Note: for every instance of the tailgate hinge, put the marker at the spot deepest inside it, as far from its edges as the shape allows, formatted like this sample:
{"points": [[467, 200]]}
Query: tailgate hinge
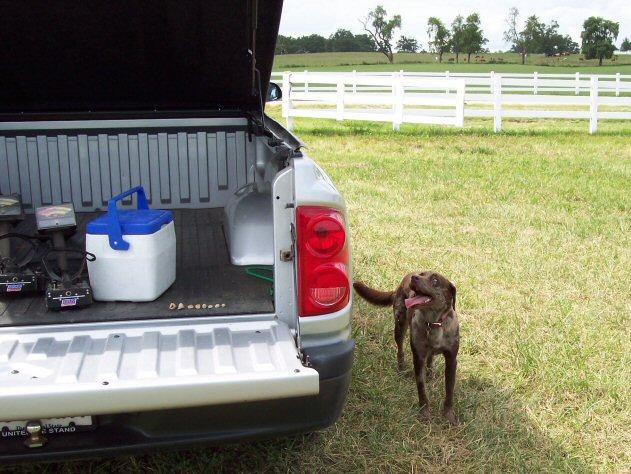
{"points": [[286, 256], [302, 357]]}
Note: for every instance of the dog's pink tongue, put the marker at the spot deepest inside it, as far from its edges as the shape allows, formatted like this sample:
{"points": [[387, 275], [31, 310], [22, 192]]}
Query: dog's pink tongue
{"points": [[409, 302]]}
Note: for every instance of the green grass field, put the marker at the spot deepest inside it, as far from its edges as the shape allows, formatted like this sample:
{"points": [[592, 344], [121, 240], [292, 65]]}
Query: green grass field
{"points": [[499, 62], [534, 226]]}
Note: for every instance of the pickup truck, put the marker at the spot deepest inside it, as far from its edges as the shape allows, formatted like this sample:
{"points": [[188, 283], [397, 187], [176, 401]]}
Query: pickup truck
{"points": [[99, 97]]}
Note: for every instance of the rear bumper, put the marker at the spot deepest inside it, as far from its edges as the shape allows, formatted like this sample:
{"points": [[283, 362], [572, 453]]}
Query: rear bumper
{"points": [[207, 425]]}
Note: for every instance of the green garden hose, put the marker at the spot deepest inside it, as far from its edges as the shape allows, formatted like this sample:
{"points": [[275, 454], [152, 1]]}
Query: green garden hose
{"points": [[254, 270]]}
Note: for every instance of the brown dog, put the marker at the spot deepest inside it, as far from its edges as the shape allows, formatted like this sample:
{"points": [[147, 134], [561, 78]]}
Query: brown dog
{"points": [[425, 302]]}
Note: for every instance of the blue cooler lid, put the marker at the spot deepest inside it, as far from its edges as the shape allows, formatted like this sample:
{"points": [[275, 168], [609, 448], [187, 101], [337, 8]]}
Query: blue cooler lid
{"points": [[132, 222], [142, 221]]}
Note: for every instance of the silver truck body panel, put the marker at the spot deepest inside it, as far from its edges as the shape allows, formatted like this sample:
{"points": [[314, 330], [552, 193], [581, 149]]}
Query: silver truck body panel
{"points": [[312, 187]]}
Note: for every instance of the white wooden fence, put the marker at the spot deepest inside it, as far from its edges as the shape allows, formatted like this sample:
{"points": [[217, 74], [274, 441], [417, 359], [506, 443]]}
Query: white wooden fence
{"points": [[446, 98], [393, 98]]}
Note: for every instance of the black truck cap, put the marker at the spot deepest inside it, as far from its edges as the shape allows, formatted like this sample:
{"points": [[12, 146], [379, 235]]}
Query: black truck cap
{"points": [[134, 57]]}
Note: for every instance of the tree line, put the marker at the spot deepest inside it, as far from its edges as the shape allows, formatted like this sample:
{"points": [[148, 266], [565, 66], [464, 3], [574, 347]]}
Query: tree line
{"points": [[341, 40], [463, 36]]}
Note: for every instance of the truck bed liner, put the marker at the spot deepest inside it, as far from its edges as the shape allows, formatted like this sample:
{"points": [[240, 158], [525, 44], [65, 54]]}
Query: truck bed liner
{"points": [[204, 275]]}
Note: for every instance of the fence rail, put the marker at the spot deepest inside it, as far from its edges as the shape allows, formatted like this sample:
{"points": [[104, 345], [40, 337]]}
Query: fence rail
{"points": [[446, 98]]}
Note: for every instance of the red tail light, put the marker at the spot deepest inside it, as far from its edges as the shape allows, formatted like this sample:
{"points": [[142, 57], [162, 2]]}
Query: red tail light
{"points": [[323, 280]]}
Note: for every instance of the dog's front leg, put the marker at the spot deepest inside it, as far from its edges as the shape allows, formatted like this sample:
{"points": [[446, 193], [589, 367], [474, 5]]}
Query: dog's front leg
{"points": [[451, 364], [418, 356]]}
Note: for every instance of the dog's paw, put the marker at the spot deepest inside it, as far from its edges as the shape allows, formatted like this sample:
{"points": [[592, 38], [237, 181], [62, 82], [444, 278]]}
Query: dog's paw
{"points": [[401, 364], [425, 414], [450, 416]]}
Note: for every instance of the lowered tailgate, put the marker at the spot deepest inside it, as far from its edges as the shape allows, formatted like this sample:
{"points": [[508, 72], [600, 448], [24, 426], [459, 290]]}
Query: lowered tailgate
{"points": [[69, 372]]}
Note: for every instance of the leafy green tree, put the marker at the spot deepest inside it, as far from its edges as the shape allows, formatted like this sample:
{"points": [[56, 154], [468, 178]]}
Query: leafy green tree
{"points": [[364, 43], [344, 40], [283, 44], [565, 44], [473, 36], [381, 29], [533, 34], [457, 36], [407, 45], [553, 42], [311, 44], [598, 36], [439, 37], [514, 36], [546, 39], [341, 40], [626, 45]]}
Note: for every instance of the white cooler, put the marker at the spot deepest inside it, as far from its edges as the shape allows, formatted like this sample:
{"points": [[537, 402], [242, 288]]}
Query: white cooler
{"points": [[134, 249]]}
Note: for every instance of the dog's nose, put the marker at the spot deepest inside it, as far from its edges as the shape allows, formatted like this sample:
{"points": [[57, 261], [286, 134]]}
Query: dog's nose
{"points": [[415, 278]]}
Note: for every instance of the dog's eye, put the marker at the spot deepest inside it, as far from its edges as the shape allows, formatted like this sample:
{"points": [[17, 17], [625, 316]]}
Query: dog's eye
{"points": [[434, 281]]}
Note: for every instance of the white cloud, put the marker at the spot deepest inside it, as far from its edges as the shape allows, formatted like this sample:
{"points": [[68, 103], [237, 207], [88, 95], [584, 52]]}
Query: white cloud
{"points": [[325, 16]]}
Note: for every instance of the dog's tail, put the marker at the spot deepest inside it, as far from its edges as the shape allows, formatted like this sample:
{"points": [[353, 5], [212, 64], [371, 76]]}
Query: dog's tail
{"points": [[380, 298]]}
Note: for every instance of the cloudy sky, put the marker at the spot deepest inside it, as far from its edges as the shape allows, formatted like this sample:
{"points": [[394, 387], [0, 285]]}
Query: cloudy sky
{"points": [[325, 16]]}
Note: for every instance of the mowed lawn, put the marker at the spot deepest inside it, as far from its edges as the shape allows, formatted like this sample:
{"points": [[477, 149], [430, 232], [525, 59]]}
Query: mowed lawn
{"points": [[425, 62], [533, 225]]}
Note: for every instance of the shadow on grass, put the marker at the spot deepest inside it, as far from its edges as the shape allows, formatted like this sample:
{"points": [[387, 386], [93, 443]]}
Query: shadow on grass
{"points": [[499, 435], [495, 434]]}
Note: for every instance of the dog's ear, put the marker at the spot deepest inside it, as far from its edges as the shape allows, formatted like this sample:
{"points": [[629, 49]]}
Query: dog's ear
{"points": [[452, 287]]}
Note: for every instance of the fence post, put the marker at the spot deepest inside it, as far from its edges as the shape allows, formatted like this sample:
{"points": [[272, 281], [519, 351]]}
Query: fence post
{"points": [[447, 77], [492, 78], [577, 87], [287, 100], [354, 81], [460, 104], [535, 88], [617, 84], [397, 102], [339, 111], [306, 82], [593, 104], [497, 103]]}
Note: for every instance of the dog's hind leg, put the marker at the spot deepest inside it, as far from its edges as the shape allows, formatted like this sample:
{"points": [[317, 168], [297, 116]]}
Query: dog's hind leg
{"points": [[400, 329], [451, 364], [419, 372]]}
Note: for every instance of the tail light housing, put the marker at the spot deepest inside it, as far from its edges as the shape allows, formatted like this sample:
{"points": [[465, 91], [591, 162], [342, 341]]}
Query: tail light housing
{"points": [[322, 249]]}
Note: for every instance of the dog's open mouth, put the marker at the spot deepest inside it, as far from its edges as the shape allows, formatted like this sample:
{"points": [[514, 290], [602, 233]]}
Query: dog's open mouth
{"points": [[417, 300]]}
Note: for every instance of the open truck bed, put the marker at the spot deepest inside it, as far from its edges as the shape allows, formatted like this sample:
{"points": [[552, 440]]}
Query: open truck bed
{"points": [[204, 275], [171, 102]]}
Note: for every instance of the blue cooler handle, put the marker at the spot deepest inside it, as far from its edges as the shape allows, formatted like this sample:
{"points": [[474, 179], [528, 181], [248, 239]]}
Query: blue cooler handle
{"points": [[114, 230]]}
